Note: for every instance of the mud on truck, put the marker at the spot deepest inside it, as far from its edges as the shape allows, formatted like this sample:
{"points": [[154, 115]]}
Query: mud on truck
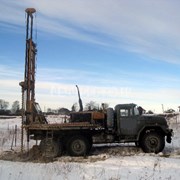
{"points": [[123, 124]]}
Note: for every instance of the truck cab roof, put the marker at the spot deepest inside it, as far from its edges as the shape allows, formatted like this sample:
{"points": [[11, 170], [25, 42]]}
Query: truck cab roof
{"points": [[125, 105]]}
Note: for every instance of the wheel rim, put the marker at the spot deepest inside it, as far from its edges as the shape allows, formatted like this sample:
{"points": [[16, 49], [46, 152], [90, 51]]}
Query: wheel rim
{"points": [[152, 143], [78, 146]]}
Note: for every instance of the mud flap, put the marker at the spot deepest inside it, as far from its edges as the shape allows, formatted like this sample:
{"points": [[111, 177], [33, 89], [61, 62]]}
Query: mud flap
{"points": [[168, 139]]}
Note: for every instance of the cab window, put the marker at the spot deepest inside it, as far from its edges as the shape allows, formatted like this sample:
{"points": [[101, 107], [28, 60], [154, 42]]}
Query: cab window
{"points": [[136, 111], [126, 112]]}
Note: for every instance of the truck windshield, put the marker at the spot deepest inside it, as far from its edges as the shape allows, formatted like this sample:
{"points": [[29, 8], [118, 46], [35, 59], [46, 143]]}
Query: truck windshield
{"points": [[136, 111]]}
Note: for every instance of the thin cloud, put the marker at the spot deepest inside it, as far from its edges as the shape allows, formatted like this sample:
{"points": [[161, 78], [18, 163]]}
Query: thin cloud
{"points": [[146, 28], [149, 28], [119, 78], [9, 72], [56, 94]]}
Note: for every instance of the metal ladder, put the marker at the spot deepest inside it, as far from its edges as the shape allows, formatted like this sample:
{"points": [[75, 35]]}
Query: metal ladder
{"points": [[48, 142]]}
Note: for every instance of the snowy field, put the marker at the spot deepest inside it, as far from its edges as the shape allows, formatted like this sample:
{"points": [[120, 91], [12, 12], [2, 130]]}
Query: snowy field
{"points": [[106, 162]]}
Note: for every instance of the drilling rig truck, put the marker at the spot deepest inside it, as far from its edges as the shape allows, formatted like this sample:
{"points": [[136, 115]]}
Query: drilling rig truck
{"points": [[122, 124]]}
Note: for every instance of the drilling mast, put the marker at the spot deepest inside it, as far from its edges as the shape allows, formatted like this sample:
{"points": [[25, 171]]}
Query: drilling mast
{"points": [[31, 110]]}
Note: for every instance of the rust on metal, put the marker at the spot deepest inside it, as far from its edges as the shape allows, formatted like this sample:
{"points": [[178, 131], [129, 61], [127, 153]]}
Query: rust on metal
{"points": [[30, 10], [76, 125], [98, 115], [28, 85]]}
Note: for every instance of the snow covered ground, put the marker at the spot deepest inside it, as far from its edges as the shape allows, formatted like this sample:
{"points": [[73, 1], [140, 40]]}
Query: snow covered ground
{"points": [[111, 163]]}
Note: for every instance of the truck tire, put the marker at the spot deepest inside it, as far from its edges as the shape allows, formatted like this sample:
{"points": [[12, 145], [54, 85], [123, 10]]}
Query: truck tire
{"points": [[50, 148], [152, 142], [78, 146], [110, 118]]}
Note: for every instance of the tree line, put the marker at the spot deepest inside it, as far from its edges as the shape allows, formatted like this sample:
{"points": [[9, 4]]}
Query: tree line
{"points": [[90, 106], [5, 108], [13, 110]]}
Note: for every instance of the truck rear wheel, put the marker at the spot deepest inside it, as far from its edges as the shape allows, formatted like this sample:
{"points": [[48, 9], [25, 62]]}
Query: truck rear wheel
{"points": [[50, 148], [152, 142], [78, 146]]}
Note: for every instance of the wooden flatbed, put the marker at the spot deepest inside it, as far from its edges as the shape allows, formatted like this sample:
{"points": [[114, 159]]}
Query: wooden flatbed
{"points": [[63, 126]]}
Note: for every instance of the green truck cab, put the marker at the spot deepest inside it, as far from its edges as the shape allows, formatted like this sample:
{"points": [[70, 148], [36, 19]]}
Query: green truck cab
{"points": [[147, 131]]}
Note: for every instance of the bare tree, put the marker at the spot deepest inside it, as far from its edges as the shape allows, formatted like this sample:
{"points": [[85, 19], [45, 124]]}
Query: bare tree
{"points": [[74, 107], [49, 110], [92, 105], [104, 106], [3, 104], [63, 111], [150, 112], [15, 107]]}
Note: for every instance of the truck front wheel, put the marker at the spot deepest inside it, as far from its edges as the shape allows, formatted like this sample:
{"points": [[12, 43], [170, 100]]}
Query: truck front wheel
{"points": [[78, 146], [152, 142]]}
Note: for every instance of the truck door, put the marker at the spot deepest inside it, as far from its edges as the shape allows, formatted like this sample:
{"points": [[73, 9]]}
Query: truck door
{"points": [[128, 122]]}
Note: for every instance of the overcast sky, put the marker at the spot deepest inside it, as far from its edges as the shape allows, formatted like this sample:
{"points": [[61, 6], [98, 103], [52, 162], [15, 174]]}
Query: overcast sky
{"points": [[118, 51]]}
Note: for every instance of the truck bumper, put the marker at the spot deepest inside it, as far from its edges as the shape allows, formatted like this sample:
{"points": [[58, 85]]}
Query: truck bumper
{"points": [[169, 135]]}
